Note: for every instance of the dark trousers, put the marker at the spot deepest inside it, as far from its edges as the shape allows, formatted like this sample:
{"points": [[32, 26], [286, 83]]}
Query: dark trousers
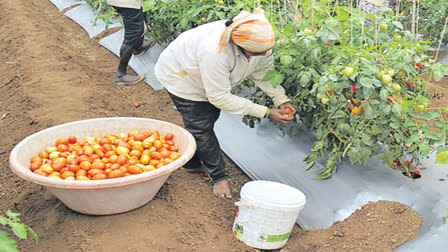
{"points": [[134, 22], [199, 119]]}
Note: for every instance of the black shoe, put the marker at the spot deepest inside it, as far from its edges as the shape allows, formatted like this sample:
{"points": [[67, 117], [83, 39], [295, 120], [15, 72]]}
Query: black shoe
{"points": [[140, 50]]}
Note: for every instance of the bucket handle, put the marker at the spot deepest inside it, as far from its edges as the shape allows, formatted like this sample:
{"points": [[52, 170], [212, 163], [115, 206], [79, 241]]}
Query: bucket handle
{"points": [[243, 204]]}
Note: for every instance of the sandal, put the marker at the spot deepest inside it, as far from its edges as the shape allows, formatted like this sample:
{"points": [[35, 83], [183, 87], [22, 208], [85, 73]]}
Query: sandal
{"points": [[128, 79], [143, 48]]}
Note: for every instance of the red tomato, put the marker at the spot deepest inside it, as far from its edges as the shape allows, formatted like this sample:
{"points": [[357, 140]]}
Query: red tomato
{"points": [[72, 140], [290, 114], [137, 104]]}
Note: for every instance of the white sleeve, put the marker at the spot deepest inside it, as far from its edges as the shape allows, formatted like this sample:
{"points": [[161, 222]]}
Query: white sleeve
{"points": [[278, 93], [215, 73]]}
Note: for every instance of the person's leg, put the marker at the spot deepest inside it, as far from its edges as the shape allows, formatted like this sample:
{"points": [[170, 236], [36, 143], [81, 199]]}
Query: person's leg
{"points": [[199, 119], [133, 28]]}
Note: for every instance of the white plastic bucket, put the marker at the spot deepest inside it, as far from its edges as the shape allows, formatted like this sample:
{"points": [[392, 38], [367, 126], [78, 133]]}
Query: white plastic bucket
{"points": [[266, 213]]}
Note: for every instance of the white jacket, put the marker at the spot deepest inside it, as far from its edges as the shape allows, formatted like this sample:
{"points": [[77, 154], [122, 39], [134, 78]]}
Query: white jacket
{"points": [[191, 68], [133, 4]]}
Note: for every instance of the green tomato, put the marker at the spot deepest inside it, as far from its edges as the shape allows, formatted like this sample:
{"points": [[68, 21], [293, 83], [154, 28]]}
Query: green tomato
{"points": [[384, 26], [325, 99], [319, 96], [307, 30], [203, 19], [420, 107], [51, 149], [391, 72], [221, 2], [396, 87], [348, 71], [397, 38], [294, 41], [379, 76], [283, 42], [386, 79]]}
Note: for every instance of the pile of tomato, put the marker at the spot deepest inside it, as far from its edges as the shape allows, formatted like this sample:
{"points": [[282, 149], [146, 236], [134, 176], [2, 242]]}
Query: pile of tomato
{"points": [[106, 157]]}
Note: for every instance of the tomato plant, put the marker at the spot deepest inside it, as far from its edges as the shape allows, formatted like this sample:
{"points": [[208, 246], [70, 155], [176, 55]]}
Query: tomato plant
{"points": [[361, 72], [18, 228]]}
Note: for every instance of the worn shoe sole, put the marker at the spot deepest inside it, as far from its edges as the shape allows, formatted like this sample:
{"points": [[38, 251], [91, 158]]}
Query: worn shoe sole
{"points": [[136, 54], [123, 83]]}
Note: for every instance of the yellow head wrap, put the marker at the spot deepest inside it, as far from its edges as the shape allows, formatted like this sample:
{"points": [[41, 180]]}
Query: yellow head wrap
{"points": [[252, 32]]}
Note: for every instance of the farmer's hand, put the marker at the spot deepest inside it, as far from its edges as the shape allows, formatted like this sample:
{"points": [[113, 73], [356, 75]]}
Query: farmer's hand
{"points": [[281, 115]]}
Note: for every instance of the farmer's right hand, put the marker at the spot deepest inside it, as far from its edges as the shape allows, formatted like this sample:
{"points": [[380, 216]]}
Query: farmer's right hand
{"points": [[276, 116]]}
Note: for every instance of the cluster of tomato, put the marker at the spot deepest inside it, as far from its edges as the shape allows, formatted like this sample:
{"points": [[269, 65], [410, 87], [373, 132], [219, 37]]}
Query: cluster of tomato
{"points": [[110, 156]]}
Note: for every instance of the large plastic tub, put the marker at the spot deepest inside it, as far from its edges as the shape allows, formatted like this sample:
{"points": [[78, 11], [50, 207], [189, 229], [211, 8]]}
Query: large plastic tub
{"points": [[109, 196]]}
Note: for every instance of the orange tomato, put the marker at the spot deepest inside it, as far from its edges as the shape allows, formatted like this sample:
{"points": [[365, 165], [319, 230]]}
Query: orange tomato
{"points": [[81, 173], [169, 136], [156, 155], [35, 165], [85, 165], [43, 154], [174, 156], [122, 159], [99, 176], [62, 147], [356, 110], [134, 169], [61, 141], [67, 174], [36, 159], [93, 172], [115, 174], [158, 144], [98, 165], [165, 153], [173, 148]]}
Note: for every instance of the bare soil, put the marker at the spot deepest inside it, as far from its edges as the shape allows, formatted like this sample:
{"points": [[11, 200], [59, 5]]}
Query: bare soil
{"points": [[53, 73]]}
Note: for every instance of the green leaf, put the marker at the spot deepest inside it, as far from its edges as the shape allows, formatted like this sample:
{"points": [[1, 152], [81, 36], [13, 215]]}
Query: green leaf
{"points": [[412, 139], [324, 174], [398, 25], [317, 146], [19, 229], [429, 115], [36, 238], [310, 165], [366, 82], [13, 216], [424, 149], [305, 79], [6, 243], [183, 23], [286, 60], [338, 114]]}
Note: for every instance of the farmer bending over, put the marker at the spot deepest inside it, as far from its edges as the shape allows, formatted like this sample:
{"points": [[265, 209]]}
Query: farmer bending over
{"points": [[134, 21], [199, 69]]}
